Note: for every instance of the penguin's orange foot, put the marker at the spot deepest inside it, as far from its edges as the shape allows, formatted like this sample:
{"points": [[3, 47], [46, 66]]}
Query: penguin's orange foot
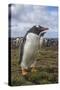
{"points": [[24, 72]]}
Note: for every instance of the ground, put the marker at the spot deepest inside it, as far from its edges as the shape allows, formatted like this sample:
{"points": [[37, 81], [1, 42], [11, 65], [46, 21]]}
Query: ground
{"points": [[46, 66]]}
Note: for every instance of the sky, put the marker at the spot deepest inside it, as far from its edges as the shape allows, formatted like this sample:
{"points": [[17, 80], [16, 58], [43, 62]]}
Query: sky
{"points": [[23, 17]]}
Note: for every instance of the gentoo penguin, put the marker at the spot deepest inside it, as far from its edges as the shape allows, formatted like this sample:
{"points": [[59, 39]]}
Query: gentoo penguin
{"points": [[17, 41], [41, 38], [29, 46]]}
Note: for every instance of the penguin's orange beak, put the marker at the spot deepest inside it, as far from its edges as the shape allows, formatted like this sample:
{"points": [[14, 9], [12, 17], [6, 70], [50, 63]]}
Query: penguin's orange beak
{"points": [[45, 29]]}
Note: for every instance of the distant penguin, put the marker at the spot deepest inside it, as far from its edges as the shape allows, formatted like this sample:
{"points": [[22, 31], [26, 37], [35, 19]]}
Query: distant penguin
{"points": [[29, 46], [41, 38], [17, 41]]}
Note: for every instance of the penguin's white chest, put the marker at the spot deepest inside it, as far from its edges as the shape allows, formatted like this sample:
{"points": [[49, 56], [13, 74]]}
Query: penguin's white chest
{"points": [[30, 47], [32, 43]]}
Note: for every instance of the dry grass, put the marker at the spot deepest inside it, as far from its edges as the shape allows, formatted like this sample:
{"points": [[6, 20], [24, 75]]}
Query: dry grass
{"points": [[47, 68]]}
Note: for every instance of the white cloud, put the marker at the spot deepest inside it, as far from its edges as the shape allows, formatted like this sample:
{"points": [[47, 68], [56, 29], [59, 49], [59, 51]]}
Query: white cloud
{"points": [[25, 16]]}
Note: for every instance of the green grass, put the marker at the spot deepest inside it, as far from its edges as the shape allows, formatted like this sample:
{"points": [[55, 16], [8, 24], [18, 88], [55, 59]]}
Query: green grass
{"points": [[47, 68]]}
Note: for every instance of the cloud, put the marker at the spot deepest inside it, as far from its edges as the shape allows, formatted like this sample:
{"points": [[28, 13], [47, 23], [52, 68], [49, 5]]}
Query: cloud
{"points": [[24, 17], [20, 29]]}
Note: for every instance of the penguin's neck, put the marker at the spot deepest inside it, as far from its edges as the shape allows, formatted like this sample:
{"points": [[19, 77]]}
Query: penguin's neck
{"points": [[32, 35]]}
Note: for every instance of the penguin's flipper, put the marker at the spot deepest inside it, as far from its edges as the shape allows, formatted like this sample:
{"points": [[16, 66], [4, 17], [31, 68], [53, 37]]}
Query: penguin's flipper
{"points": [[21, 50]]}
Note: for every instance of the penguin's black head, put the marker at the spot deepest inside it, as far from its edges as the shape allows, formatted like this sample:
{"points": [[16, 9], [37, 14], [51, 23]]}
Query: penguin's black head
{"points": [[42, 29], [37, 30]]}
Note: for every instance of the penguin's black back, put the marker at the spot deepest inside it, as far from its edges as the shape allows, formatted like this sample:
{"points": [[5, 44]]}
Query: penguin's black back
{"points": [[21, 49]]}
